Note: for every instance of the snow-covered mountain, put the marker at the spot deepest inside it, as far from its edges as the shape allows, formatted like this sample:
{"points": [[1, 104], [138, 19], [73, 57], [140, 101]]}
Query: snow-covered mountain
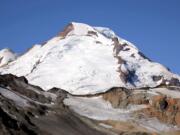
{"points": [[127, 93], [85, 60], [6, 56]]}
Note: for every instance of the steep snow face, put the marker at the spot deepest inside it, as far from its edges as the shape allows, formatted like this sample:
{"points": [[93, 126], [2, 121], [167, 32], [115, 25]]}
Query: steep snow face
{"points": [[77, 64], [88, 60], [6, 56]]}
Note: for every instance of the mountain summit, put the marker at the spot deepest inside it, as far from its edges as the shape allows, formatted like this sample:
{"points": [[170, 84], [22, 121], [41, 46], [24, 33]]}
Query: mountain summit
{"points": [[86, 60]]}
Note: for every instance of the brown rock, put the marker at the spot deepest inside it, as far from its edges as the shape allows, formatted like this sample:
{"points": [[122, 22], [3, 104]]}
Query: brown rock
{"points": [[177, 119], [67, 29]]}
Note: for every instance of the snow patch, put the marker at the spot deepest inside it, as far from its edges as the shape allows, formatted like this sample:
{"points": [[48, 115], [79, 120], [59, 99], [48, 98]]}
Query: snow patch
{"points": [[99, 109], [168, 92], [14, 97], [6, 56]]}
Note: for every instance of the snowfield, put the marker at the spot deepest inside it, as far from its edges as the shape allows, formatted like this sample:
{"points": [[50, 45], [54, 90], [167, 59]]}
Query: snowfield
{"points": [[14, 97], [86, 61], [99, 109], [6, 56]]}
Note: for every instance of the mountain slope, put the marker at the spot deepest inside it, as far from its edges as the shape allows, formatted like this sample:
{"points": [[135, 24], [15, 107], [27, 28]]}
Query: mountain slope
{"points": [[6, 56], [108, 87], [88, 60], [28, 110]]}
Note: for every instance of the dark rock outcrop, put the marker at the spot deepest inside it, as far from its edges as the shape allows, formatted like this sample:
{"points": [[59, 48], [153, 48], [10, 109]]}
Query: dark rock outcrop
{"points": [[41, 115]]}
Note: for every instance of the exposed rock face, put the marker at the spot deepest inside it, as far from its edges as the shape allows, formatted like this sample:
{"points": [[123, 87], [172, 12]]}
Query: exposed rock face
{"points": [[14, 120], [20, 85], [165, 108], [28, 110], [66, 30], [121, 98]]}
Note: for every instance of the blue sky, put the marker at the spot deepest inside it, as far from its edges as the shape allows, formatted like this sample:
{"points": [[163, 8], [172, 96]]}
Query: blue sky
{"points": [[153, 25]]}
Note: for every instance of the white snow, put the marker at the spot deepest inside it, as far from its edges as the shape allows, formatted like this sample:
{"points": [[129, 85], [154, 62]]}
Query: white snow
{"points": [[105, 125], [80, 65], [154, 125], [167, 92], [106, 32], [80, 29], [99, 109], [14, 97], [6, 56]]}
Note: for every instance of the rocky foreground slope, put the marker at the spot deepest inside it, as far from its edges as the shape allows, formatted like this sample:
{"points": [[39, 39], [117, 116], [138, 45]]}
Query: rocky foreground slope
{"points": [[87, 81], [27, 109]]}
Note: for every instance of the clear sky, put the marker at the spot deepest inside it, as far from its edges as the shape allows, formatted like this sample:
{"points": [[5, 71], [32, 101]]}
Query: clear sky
{"points": [[152, 25]]}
